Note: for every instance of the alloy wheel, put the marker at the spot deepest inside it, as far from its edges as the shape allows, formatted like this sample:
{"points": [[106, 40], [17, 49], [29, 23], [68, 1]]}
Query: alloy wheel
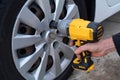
{"points": [[39, 52]]}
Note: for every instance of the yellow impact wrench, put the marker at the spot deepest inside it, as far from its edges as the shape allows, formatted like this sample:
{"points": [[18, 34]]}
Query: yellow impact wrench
{"points": [[81, 32]]}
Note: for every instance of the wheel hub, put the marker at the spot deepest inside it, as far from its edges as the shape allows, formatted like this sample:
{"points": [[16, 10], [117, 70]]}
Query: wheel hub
{"points": [[50, 36]]}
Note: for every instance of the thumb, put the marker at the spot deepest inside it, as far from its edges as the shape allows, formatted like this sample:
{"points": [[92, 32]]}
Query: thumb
{"points": [[81, 49]]}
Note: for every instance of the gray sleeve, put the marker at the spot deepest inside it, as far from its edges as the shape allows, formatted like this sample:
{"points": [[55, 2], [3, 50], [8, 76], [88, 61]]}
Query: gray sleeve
{"points": [[116, 40]]}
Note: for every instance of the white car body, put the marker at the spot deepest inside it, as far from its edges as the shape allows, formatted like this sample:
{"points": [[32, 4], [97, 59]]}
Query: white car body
{"points": [[105, 9]]}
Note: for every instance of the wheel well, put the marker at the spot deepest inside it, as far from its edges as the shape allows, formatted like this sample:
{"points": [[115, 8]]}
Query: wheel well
{"points": [[81, 4], [86, 9], [90, 5]]}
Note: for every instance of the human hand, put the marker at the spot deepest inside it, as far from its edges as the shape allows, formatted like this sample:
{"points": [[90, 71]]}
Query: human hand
{"points": [[97, 49]]}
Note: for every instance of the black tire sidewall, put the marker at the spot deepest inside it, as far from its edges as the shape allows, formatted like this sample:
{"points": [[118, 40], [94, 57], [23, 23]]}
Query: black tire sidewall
{"points": [[9, 13]]}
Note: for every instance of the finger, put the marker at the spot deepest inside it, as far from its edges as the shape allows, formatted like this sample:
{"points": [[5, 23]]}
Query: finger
{"points": [[78, 56], [97, 55], [71, 43], [81, 49]]}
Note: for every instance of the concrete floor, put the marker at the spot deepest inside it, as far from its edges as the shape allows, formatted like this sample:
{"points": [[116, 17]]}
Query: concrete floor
{"points": [[107, 67]]}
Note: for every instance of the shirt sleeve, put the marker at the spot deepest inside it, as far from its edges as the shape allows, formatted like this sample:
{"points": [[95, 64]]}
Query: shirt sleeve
{"points": [[116, 40]]}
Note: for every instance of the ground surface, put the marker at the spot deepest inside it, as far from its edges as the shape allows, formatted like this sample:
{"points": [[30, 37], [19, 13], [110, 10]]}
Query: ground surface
{"points": [[107, 67]]}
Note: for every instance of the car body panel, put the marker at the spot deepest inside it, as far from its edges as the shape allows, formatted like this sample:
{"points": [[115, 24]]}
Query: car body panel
{"points": [[103, 9], [112, 2]]}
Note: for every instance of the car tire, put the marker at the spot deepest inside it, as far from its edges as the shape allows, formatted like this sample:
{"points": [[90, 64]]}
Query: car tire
{"points": [[9, 12]]}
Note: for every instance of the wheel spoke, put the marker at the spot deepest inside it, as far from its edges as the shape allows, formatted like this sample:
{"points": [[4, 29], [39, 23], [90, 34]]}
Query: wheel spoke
{"points": [[56, 69], [27, 63], [71, 11], [31, 19], [22, 41], [59, 8], [40, 72], [45, 6], [68, 52]]}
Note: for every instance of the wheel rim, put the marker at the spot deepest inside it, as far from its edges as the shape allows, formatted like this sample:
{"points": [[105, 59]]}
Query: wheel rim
{"points": [[39, 52]]}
